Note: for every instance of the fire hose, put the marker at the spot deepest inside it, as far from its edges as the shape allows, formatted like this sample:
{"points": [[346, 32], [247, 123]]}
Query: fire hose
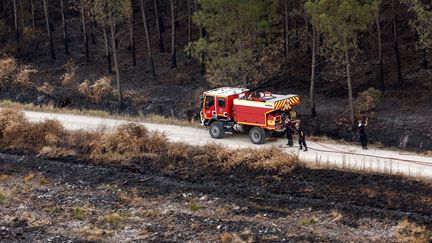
{"points": [[332, 150]]}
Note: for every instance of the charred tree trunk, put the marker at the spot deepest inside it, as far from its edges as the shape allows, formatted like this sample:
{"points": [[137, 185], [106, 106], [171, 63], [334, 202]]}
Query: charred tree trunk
{"points": [[65, 34], [173, 36], [48, 26], [85, 36], [380, 54], [202, 35], [189, 24], [159, 26], [116, 62], [22, 15], [286, 39], [425, 61], [92, 30], [312, 85], [202, 61], [32, 10], [350, 94], [15, 15], [107, 49], [318, 66], [146, 30], [396, 45], [131, 23]]}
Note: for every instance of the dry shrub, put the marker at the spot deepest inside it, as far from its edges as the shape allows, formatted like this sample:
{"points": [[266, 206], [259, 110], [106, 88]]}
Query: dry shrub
{"points": [[368, 100], [268, 159], [138, 99], [84, 88], [32, 137], [8, 67], [68, 78], [46, 88], [10, 118], [22, 78], [101, 88], [14, 76], [81, 141], [98, 90], [128, 142], [413, 233], [178, 152]]}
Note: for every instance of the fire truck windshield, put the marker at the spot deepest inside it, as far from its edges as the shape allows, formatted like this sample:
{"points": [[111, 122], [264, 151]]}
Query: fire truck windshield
{"points": [[209, 101]]}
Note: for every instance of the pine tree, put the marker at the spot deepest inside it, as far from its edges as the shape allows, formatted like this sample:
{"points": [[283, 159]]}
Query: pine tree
{"points": [[242, 40], [112, 13], [422, 22], [340, 21]]}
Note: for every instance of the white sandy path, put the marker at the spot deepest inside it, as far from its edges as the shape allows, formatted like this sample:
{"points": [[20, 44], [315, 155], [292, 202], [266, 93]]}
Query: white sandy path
{"points": [[329, 154]]}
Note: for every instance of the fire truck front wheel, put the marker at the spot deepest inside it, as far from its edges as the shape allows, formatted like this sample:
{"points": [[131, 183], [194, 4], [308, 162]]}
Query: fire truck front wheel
{"points": [[257, 135], [216, 130]]}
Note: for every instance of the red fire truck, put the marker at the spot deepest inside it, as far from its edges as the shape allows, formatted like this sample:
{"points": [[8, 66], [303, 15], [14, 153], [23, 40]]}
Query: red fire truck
{"points": [[229, 110]]}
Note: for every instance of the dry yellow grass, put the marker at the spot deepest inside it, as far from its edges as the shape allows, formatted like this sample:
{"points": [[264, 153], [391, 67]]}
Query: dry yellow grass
{"points": [[128, 142], [413, 233], [268, 159]]}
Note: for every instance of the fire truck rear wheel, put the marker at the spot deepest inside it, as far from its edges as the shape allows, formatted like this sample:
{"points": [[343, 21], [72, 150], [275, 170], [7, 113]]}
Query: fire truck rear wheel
{"points": [[216, 130], [257, 135]]}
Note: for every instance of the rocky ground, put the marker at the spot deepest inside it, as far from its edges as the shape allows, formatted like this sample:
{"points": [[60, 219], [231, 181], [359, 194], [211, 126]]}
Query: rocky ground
{"points": [[69, 201]]}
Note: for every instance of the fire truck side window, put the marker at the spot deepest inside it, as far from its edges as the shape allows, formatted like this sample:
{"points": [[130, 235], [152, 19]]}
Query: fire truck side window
{"points": [[209, 101], [221, 102]]}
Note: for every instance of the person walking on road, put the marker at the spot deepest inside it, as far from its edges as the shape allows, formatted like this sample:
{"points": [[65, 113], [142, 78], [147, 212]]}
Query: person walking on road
{"points": [[362, 133], [302, 137]]}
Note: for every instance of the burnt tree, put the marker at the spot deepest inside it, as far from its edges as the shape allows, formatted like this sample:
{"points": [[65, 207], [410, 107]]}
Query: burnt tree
{"points": [[146, 31]]}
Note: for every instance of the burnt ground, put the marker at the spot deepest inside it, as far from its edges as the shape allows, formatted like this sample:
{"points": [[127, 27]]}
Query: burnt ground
{"points": [[57, 201]]}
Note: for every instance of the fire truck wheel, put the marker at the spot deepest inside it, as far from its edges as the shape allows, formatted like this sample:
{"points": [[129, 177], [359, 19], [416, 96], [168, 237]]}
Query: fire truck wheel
{"points": [[257, 135], [216, 130]]}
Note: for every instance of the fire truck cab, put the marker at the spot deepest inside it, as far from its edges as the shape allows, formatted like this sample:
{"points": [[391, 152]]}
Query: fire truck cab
{"points": [[229, 110]]}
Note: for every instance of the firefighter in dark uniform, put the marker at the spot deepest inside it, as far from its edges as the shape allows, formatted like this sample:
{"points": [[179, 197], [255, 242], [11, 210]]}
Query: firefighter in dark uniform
{"points": [[289, 131], [362, 133], [302, 137]]}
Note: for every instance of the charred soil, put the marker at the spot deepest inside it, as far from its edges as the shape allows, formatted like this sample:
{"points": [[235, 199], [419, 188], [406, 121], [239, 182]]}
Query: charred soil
{"points": [[60, 200]]}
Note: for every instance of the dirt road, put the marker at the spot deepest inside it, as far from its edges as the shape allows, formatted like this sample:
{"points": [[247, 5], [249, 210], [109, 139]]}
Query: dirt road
{"points": [[330, 154]]}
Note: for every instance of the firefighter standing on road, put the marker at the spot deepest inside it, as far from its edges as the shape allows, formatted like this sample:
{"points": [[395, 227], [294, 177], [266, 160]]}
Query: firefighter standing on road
{"points": [[302, 137], [362, 133], [289, 131]]}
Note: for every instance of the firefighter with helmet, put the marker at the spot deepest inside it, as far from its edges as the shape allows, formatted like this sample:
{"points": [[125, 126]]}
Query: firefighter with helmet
{"points": [[302, 137], [288, 121]]}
